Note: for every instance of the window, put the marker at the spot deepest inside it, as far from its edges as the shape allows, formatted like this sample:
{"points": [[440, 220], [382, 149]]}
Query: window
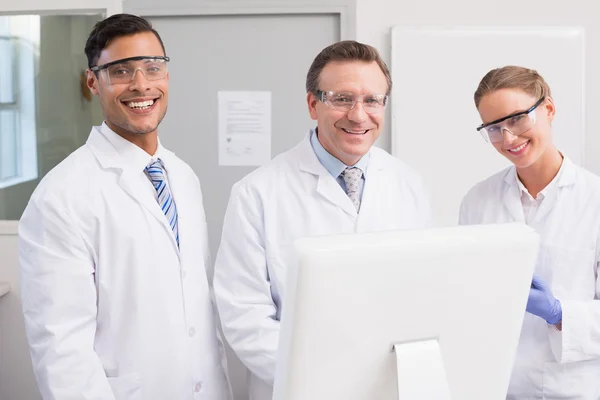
{"points": [[19, 49]]}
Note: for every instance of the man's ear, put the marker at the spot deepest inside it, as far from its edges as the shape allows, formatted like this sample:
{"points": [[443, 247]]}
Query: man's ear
{"points": [[92, 81], [312, 100]]}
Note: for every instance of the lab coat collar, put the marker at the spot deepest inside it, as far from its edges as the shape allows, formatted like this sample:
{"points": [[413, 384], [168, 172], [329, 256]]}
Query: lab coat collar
{"points": [[308, 161], [567, 174], [330, 162], [512, 193], [327, 186], [114, 152]]}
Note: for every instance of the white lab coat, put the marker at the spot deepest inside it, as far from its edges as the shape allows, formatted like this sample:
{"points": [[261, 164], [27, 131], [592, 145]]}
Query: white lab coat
{"points": [[112, 309], [551, 364], [291, 197]]}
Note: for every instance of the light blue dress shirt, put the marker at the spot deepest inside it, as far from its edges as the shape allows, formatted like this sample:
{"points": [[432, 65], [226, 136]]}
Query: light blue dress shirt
{"points": [[334, 166]]}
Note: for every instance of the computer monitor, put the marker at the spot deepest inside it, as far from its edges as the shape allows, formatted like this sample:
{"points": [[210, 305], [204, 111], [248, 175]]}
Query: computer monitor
{"points": [[451, 299]]}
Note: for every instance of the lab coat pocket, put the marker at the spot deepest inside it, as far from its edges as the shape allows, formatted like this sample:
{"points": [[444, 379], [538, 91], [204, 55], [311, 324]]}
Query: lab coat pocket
{"points": [[573, 381], [127, 387], [569, 271]]}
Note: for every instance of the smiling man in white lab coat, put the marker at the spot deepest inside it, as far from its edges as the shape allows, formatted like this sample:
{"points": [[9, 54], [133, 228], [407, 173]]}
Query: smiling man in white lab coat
{"points": [[333, 182], [113, 246]]}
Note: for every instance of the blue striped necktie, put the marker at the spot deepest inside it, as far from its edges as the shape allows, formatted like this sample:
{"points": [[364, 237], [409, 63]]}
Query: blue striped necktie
{"points": [[156, 172]]}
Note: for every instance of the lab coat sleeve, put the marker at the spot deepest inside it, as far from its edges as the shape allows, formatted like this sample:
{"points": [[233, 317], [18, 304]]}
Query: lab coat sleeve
{"points": [[242, 287], [463, 214], [222, 353], [205, 245], [59, 304], [207, 265], [579, 339], [425, 207]]}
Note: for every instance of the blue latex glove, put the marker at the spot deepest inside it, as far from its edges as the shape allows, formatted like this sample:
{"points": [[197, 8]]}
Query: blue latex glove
{"points": [[542, 303]]}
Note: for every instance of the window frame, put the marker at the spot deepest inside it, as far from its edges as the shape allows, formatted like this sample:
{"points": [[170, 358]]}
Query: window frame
{"points": [[27, 163], [25, 158]]}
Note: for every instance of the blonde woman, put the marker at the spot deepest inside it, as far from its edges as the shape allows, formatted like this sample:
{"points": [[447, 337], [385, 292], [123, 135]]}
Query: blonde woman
{"points": [[559, 349]]}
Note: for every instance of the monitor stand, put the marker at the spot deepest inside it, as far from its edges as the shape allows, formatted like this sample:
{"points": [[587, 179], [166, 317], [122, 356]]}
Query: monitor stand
{"points": [[421, 372]]}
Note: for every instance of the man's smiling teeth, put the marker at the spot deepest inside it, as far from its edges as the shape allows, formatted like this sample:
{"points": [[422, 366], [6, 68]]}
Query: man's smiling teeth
{"points": [[355, 132], [517, 149], [142, 104]]}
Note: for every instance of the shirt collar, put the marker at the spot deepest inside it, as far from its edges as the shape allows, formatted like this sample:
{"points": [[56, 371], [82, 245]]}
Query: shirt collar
{"points": [[334, 166], [133, 156]]}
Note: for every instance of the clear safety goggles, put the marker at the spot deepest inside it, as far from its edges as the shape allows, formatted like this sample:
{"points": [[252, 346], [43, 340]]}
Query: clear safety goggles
{"points": [[515, 124], [123, 71], [340, 101]]}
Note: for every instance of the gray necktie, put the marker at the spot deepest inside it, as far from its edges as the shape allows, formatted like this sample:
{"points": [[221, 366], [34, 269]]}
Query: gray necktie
{"points": [[352, 177]]}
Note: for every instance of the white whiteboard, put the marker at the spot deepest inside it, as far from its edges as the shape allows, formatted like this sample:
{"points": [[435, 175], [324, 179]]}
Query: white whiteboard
{"points": [[435, 73]]}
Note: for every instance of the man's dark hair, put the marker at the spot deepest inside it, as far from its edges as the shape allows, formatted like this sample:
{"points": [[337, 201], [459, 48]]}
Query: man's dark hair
{"points": [[113, 27]]}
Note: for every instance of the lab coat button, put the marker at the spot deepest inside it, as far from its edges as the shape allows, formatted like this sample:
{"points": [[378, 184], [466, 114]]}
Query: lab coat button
{"points": [[184, 273], [198, 386], [192, 332]]}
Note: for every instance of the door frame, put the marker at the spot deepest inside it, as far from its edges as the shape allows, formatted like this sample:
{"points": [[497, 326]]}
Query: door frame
{"points": [[345, 9]]}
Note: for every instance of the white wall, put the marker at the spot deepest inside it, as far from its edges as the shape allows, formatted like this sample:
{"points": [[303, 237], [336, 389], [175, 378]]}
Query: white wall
{"points": [[375, 19]]}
